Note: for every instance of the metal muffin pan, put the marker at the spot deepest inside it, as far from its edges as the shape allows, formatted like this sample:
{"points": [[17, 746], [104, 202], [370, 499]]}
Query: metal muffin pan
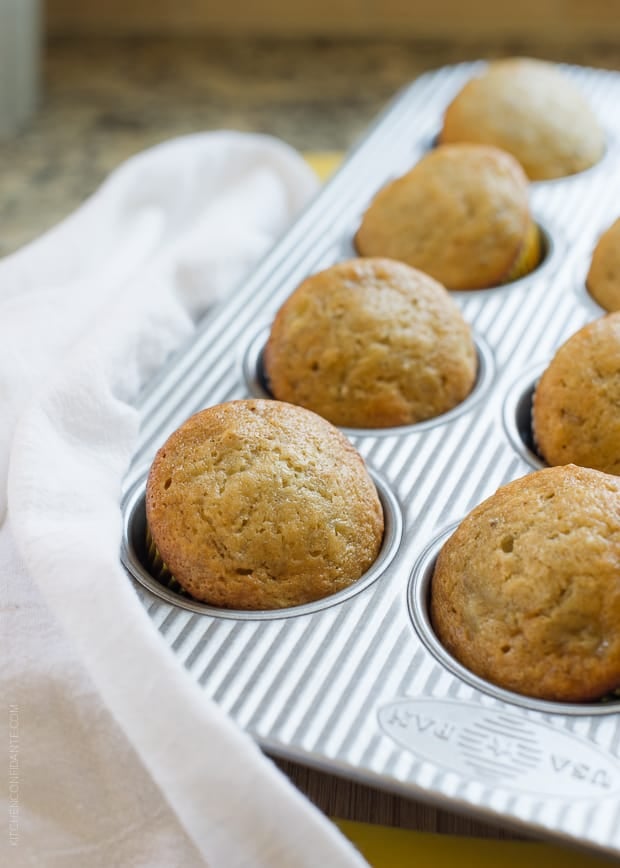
{"points": [[360, 686]]}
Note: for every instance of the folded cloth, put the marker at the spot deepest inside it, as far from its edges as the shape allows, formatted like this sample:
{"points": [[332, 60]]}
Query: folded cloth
{"points": [[116, 757]]}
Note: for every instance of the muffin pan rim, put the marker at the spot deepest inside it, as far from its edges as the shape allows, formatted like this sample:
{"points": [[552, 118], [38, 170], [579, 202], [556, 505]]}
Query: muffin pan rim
{"points": [[518, 392], [251, 365], [132, 508], [552, 245]]}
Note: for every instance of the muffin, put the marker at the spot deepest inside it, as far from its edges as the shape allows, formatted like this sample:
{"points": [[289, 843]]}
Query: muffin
{"points": [[603, 280], [461, 215], [526, 592], [576, 408], [371, 343], [528, 108], [257, 504]]}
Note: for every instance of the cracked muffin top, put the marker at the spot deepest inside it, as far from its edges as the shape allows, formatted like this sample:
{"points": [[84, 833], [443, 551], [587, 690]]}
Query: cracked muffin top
{"points": [[461, 215], [532, 110], [526, 592], [258, 504], [576, 408], [371, 343]]}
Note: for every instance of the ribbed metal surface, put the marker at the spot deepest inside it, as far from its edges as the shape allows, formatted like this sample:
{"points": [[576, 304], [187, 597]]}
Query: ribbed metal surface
{"points": [[351, 687]]}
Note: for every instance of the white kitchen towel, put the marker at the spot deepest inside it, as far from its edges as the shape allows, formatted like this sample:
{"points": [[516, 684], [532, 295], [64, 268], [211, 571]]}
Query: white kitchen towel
{"points": [[115, 757]]}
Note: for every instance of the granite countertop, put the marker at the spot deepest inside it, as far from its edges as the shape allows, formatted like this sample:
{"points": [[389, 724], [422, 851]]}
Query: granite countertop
{"points": [[104, 100]]}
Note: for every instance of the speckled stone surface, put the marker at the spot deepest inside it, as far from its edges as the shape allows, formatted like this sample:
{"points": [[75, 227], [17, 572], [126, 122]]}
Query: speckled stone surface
{"points": [[105, 100]]}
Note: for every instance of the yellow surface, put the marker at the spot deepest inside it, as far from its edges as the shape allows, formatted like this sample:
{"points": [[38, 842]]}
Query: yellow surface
{"points": [[385, 847], [324, 163]]}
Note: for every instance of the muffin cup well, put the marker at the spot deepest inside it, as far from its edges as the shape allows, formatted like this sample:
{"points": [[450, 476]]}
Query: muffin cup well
{"points": [[258, 386], [517, 416], [418, 594], [434, 141], [584, 175], [147, 568], [541, 250]]}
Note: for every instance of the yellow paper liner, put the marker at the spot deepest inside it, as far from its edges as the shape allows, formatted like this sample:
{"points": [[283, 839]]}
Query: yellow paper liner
{"points": [[529, 256]]}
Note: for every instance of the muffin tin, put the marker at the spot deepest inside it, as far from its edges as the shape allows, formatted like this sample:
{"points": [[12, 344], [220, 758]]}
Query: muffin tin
{"points": [[358, 684]]}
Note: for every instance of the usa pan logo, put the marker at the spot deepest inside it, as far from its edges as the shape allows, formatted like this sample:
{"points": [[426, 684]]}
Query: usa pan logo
{"points": [[502, 749]]}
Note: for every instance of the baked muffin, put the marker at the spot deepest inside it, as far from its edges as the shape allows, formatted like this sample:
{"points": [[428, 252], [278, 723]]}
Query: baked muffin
{"points": [[530, 109], [461, 215], [371, 343], [257, 504], [576, 408], [526, 592], [603, 280]]}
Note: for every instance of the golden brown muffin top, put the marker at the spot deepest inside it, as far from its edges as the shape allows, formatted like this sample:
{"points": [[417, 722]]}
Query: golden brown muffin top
{"points": [[603, 280], [529, 108], [371, 343], [257, 504], [461, 215], [576, 410], [526, 592]]}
